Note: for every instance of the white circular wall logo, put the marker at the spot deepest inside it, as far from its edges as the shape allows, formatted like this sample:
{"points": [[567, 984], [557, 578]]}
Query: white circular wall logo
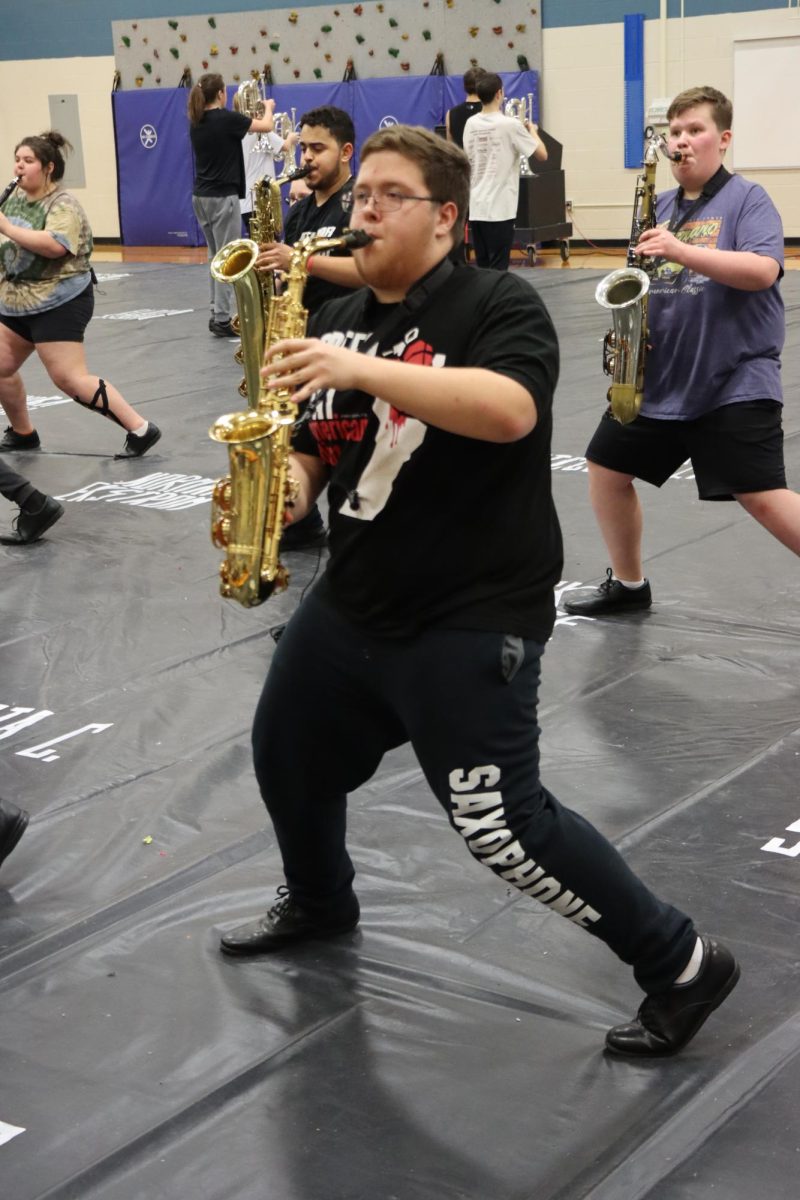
{"points": [[387, 122], [148, 137]]}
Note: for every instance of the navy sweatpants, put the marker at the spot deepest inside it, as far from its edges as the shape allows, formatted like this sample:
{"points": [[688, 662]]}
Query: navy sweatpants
{"points": [[336, 699]]}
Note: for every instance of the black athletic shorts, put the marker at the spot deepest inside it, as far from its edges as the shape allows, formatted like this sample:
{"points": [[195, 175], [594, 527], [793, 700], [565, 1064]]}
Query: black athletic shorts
{"points": [[66, 323], [736, 448]]}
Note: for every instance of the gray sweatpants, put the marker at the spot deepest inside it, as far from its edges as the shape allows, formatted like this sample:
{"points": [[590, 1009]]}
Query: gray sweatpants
{"points": [[220, 218]]}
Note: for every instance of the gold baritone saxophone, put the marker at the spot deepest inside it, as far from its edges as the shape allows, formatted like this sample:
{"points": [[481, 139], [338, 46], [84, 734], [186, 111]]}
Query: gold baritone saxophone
{"points": [[248, 505], [266, 222], [254, 288], [625, 294]]}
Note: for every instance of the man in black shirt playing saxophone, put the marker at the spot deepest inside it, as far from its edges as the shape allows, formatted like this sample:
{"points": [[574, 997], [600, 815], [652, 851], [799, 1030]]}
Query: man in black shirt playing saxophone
{"points": [[430, 394]]}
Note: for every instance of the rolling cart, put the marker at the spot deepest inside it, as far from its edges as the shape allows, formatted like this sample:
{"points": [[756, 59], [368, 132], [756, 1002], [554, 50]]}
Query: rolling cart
{"points": [[542, 210]]}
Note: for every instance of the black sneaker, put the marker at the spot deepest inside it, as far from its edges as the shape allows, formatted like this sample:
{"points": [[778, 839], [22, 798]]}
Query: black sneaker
{"points": [[284, 924], [135, 446], [610, 597], [309, 533], [29, 526], [13, 823], [19, 441], [666, 1022], [222, 329]]}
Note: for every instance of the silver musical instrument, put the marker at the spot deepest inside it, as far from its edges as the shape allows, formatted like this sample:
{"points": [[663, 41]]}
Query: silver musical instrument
{"points": [[284, 126], [250, 100], [625, 293], [521, 109]]}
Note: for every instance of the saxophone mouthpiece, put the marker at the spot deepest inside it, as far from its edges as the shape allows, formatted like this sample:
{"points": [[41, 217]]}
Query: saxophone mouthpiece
{"points": [[300, 173], [677, 156], [356, 238]]}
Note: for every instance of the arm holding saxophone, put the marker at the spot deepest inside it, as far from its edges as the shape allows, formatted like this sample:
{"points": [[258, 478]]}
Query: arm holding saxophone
{"points": [[311, 476], [743, 269], [471, 401]]}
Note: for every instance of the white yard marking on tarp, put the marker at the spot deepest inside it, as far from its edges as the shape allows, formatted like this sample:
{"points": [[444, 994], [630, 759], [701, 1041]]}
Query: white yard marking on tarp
{"points": [[7, 1132]]}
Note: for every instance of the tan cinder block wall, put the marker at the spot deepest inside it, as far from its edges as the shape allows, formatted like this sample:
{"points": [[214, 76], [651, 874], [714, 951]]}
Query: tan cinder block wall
{"points": [[24, 110], [583, 106]]}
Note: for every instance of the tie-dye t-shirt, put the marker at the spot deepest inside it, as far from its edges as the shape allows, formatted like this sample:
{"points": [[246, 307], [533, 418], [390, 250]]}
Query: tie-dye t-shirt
{"points": [[31, 283]]}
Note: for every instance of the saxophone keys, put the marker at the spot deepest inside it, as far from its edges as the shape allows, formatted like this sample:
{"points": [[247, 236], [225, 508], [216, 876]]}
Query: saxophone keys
{"points": [[292, 490], [220, 532]]}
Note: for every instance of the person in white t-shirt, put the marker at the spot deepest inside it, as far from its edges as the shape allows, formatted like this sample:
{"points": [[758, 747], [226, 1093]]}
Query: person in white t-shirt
{"points": [[260, 152], [494, 144]]}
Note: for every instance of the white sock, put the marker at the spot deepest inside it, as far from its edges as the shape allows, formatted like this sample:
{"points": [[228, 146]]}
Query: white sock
{"points": [[631, 583], [693, 966], [141, 431]]}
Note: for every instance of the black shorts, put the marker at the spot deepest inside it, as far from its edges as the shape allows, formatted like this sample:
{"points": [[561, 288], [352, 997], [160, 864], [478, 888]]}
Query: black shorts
{"points": [[65, 323], [736, 448]]}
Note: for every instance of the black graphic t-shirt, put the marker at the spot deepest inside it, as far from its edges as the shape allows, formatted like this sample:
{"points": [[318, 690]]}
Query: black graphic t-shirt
{"points": [[328, 220], [429, 528]]}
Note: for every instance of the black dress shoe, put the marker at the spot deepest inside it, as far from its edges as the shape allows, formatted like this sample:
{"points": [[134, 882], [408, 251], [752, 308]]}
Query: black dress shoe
{"points": [[13, 823], [667, 1021], [610, 597], [284, 924], [31, 525], [138, 444]]}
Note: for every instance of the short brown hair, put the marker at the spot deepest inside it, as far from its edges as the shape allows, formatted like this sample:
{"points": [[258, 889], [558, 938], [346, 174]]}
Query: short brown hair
{"points": [[488, 86], [721, 107], [338, 123], [471, 78], [444, 167]]}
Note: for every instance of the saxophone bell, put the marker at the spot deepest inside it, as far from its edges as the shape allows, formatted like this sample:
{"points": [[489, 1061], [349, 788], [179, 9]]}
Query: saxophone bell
{"points": [[249, 504], [623, 292], [250, 571], [235, 264]]}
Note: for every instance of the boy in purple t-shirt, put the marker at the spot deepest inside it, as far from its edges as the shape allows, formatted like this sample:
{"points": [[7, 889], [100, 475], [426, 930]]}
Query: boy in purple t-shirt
{"points": [[712, 381]]}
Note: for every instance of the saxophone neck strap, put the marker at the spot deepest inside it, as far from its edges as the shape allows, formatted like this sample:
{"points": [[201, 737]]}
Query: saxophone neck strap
{"points": [[418, 296], [713, 185]]}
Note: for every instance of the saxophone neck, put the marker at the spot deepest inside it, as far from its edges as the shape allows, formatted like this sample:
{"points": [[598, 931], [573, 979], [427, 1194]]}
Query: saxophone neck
{"points": [[302, 251]]}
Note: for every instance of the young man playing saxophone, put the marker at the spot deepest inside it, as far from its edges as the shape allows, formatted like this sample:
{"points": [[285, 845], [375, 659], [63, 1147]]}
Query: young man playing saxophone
{"points": [[430, 393], [327, 141], [712, 373]]}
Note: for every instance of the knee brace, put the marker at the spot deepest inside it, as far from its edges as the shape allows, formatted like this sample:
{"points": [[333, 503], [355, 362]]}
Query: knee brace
{"points": [[99, 403]]}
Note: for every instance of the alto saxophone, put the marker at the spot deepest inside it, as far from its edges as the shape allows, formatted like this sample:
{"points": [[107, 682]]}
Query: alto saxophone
{"points": [[625, 293], [248, 505]]}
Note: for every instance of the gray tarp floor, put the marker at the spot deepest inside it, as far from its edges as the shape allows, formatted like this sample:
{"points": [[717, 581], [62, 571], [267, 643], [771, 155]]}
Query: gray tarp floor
{"points": [[453, 1047]]}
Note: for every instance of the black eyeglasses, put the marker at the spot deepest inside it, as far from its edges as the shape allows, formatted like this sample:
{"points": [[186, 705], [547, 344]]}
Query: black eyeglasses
{"points": [[383, 202]]}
